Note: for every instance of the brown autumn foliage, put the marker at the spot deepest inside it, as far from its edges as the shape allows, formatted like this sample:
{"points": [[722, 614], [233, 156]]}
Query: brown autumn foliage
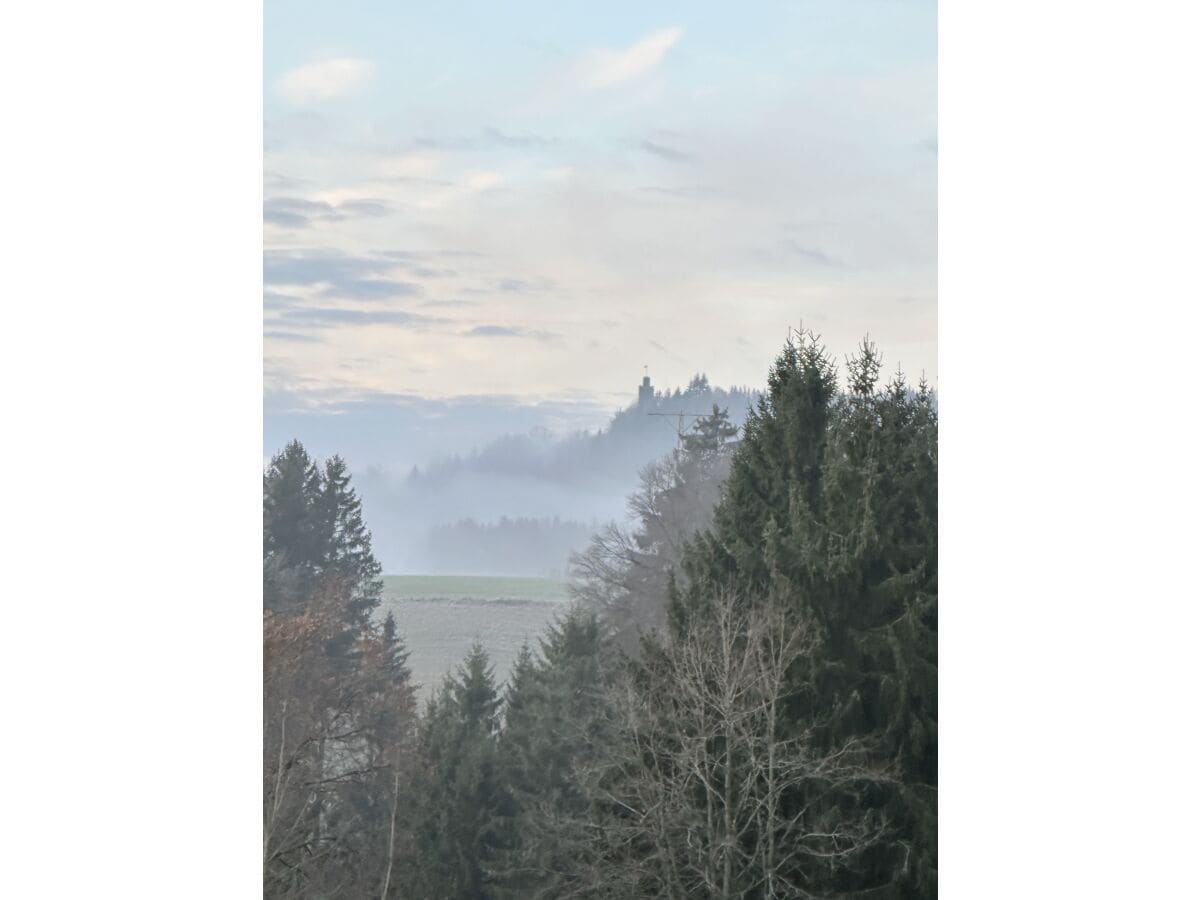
{"points": [[338, 713]]}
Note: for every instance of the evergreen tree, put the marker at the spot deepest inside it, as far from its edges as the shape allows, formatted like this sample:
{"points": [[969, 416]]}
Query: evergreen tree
{"points": [[709, 436], [830, 511], [395, 653], [293, 543], [463, 794], [347, 543], [554, 730], [313, 532]]}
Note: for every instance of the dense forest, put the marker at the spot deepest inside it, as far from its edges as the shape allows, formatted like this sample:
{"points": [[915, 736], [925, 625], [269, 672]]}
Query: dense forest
{"points": [[740, 702]]}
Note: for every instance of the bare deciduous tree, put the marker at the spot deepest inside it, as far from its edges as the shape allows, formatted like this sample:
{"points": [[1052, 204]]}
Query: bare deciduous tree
{"points": [[708, 797], [334, 731], [624, 574]]}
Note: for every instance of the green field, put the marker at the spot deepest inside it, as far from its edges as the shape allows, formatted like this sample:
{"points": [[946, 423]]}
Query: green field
{"points": [[441, 615]]}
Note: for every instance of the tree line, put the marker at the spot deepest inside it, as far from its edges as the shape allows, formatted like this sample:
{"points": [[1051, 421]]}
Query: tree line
{"points": [[740, 702]]}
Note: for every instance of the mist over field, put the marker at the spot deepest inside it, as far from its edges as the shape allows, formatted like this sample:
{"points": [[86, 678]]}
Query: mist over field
{"points": [[456, 489]]}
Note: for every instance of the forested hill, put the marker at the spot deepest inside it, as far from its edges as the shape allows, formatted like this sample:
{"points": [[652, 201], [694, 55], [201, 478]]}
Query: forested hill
{"points": [[635, 435], [537, 495]]}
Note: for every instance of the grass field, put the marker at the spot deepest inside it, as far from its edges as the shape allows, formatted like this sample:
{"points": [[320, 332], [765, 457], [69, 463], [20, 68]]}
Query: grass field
{"points": [[478, 587], [441, 615]]}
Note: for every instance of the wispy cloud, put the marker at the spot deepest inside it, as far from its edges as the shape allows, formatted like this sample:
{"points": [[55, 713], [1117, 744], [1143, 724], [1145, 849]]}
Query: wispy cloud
{"points": [[317, 266], [812, 254], [508, 331], [524, 285], [524, 140], [291, 337], [665, 152], [605, 67], [296, 212], [331, 317], [342, 275], [324, 80], [371, 289], [489, 137]]}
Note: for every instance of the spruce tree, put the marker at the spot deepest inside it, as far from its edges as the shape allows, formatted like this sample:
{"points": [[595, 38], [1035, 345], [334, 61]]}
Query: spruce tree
{"points": [[347, 542], [293, 541], [554, 729], [463, 792], [314, 533], [830, 510]]}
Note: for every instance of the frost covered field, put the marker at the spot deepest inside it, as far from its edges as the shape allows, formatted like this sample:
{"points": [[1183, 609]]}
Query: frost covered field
{"points": [[441, 615]]}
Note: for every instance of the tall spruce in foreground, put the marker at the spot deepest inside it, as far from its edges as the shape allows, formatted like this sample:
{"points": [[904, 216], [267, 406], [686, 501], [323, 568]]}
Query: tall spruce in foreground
{"points": [[830, 510]]}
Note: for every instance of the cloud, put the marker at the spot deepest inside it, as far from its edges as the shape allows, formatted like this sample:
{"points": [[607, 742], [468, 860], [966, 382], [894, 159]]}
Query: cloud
{"points": [[363, 208], [291, 212], [812, 254], [331, 317], [283, 182], [524, 285], [494, 331], [291, 337], [526, 140], [275, 300], [666, 152], [507, 331], [371, 289], [344, 276], [296, 212], [324, 80], [605, 67], [412, 165]]}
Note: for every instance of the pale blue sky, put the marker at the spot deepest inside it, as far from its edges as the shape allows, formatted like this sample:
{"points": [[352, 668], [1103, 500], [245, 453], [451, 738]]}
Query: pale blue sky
{"points": [[534, 200]]}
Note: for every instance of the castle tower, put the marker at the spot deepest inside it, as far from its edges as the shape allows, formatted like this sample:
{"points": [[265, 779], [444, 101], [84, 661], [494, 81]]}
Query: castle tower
{"points": [[645, 395]]}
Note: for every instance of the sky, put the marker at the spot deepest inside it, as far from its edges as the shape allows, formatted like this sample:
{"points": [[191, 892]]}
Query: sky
{"points": [[524, 204]]}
